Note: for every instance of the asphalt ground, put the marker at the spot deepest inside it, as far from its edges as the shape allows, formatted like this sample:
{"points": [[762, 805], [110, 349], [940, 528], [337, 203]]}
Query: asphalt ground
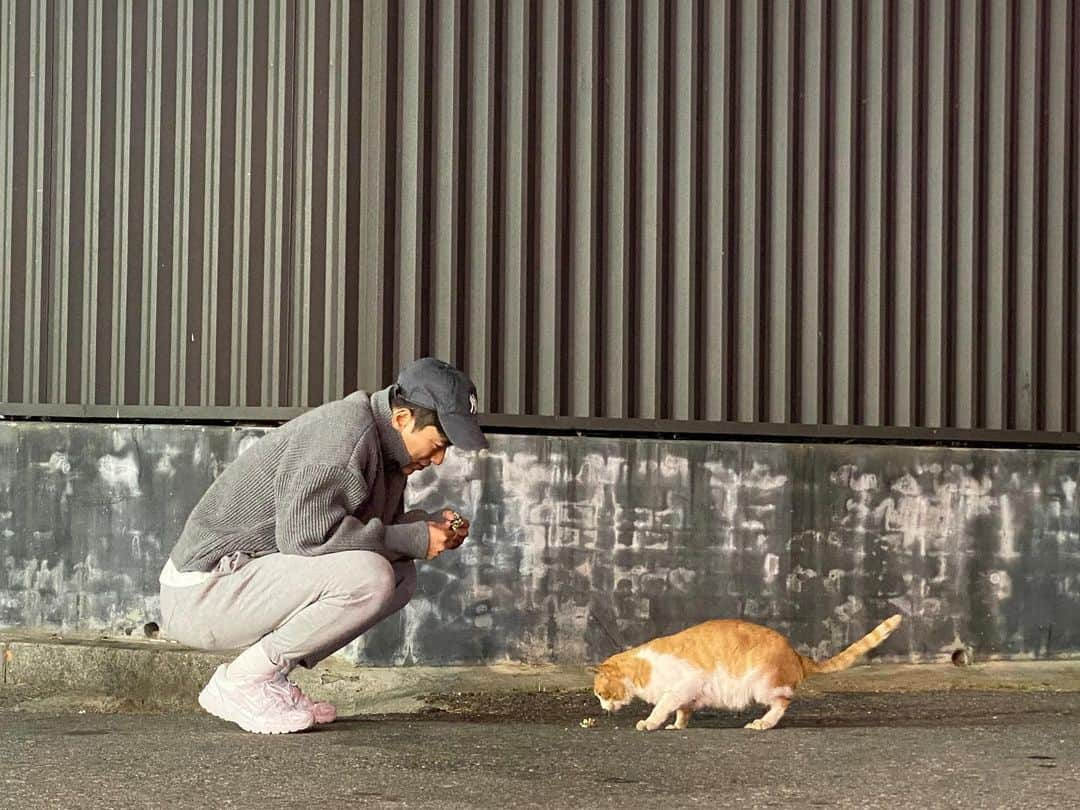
{"points": [[955, 748]]}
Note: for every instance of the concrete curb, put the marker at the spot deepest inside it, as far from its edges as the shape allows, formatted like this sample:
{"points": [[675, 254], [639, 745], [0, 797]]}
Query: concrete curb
{"points": [[49, 672], [160, 676]]}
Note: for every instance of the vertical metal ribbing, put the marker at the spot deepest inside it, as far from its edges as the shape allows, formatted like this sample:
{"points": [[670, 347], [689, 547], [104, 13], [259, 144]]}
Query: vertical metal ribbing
{"points": [[315, 255], [776, 141], [475, 289], [301, 210], [57, 315], [273, 188], [193, 337], [494, 384], [646, 293], [92, 215], [179, 332], [614, 242], [731, 341], [513, 257], [334, 355], [824, 395], [102, 324], [1039, 226], [1023, 274], [36, 203], [258, 336], [950, 205], [885, 298], [1071, 226], [129, 344], [149, 220], [980, 205], [389, 165], [761, 206], [211, 193], [932, 271], [460, 215], [797, 267], [751, 31], [1010, 197], [682, 69], [715, 171], [371, 301], [964, 155], [15, 212], [162, 382], [7, 143], [309, 223], [855, 221], [411, 123]]}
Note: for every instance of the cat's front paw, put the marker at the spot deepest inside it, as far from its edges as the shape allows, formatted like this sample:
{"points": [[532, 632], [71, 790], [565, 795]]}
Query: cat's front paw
{"points": [[757, 725], [642, 725]]}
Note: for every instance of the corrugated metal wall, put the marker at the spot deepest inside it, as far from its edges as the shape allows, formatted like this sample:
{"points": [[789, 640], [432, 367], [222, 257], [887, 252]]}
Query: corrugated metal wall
{"points": [[854, 213], [174, 186]]}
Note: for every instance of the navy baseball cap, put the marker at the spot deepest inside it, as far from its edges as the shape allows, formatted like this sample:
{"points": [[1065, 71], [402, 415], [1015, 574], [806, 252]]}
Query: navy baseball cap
{"points": [[439, 387]]}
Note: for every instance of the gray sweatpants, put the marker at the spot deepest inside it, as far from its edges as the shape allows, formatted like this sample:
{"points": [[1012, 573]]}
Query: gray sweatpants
{"points": [[302, 609]]}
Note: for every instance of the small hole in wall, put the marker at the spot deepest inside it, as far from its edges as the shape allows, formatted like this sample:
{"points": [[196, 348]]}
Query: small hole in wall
{"points": [[961, 657]]}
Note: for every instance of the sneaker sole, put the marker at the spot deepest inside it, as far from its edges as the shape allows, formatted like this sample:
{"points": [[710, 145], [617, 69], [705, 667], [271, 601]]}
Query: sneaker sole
{"points": [[211, 701]]}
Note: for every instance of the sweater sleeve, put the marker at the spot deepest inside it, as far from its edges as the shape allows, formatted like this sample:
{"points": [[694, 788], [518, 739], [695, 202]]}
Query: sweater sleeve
{"points": [[412, 516], [314, 516]]}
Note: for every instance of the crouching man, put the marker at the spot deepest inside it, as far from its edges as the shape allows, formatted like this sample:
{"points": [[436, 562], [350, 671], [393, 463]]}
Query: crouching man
{"points": [[302, 544]]}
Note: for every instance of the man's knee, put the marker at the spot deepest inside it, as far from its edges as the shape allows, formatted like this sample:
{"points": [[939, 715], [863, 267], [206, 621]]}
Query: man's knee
{"points": [[364, 576]]}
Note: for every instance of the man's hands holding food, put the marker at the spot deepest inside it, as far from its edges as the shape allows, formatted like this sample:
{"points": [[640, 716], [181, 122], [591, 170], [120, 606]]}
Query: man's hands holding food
{"points": [[446, 531]]}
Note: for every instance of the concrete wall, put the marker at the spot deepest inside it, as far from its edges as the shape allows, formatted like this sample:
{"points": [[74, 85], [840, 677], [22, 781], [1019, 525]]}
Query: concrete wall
{"points": [[584, 545]]}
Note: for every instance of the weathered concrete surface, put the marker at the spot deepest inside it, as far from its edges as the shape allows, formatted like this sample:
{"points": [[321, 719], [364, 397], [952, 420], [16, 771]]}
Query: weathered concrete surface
{"points": [[932, 750], [157, 676], [582, 546]]}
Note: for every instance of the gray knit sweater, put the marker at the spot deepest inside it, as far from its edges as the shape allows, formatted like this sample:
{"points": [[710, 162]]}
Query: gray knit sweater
{"points": [[329, 480]]}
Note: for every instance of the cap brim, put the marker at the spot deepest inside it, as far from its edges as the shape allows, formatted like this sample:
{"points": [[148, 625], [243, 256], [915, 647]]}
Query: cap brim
{"points": [[463, 431]]}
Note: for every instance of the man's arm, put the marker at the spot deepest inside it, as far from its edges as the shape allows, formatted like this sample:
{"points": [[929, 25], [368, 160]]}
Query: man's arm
{"points": [[314, 516]]}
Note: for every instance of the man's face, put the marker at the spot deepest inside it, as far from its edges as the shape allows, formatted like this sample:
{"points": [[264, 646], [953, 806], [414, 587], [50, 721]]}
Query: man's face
{"points": [[425, 446]]}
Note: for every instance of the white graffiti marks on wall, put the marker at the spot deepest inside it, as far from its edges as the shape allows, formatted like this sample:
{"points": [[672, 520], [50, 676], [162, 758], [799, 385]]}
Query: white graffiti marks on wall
{"points": [[88, 514], [582, 546]]}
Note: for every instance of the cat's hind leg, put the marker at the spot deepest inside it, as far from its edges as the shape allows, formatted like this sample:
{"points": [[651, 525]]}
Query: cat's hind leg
{"points": [[772, 716], [682, 718], [668, 703]]}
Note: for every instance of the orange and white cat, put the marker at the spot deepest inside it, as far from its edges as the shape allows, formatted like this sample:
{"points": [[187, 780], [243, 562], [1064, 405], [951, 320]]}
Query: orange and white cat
{"points": [[725, 663]]}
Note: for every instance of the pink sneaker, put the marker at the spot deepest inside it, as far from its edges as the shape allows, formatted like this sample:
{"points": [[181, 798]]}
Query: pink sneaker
{"points": [[322, 712], [257, 706]]}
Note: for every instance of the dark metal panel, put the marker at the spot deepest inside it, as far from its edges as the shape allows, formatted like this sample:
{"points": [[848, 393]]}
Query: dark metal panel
{"points": [[504, 391], [829, 212], [614, 243], [19, 17], [1071, 217]]}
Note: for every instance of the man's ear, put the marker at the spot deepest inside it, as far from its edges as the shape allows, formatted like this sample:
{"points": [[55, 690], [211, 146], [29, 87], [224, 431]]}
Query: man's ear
{"points": [[399, 418]]}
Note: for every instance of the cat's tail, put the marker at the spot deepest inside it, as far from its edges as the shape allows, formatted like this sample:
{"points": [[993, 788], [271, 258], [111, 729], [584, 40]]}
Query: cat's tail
{"points": [[860, 647]]}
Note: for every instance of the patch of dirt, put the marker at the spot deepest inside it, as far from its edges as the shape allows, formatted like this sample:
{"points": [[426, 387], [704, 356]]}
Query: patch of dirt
{"points": [[554, 706], [851, 710]]}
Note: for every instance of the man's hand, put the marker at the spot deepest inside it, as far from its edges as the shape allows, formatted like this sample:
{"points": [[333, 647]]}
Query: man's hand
{"points": [[448, 531]]}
